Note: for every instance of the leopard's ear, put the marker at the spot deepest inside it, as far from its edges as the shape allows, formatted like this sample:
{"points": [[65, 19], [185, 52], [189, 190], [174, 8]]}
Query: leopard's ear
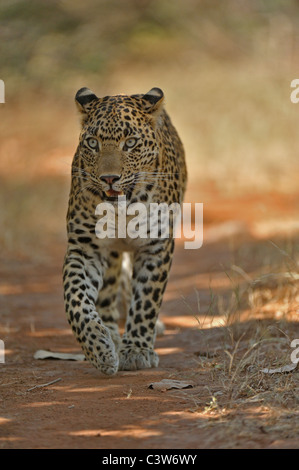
{"points": [[83, 99], [153, 101]]}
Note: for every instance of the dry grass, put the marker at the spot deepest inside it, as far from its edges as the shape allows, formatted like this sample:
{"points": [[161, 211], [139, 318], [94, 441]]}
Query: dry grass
{"points": [[248, 403], [260, 319]]}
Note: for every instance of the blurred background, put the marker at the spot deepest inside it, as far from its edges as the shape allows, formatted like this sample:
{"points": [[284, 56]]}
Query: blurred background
{"points": [[225, 68]]}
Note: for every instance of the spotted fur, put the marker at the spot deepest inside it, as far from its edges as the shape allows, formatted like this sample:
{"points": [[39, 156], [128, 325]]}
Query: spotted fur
{"points": [[127, 146]]}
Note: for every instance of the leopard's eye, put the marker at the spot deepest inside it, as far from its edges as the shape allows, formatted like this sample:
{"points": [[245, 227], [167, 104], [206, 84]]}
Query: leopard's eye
{"points": [[92, 143], [130, 143]]}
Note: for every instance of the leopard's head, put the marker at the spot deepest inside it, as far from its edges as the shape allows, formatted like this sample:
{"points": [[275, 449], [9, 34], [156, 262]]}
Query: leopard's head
{"points": [[119, 146]]}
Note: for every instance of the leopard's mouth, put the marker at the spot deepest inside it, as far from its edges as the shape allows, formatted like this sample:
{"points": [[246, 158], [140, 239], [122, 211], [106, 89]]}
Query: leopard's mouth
{"points": [[112, 195]]}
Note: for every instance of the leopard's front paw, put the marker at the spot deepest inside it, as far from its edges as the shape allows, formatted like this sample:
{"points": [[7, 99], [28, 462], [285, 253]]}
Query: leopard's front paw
{"points": [[115, 336], [99, 348], [133, 358]]}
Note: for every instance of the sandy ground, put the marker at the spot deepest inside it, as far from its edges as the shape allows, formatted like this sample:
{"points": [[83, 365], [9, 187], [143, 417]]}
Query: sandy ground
{"points": [[85, 409]]}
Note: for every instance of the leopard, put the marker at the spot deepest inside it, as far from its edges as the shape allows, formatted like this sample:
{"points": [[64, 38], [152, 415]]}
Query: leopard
{"points": [[128, 150]]}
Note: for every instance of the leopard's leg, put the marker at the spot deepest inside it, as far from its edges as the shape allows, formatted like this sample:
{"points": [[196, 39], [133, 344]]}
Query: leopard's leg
{"points": [[125, 293], [125, 286], [149, 280], [83, 278], [106, 303]]}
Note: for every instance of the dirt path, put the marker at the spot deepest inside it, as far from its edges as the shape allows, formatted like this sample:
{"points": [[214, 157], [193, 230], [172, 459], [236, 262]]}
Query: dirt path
{"points": [[86, 409]]}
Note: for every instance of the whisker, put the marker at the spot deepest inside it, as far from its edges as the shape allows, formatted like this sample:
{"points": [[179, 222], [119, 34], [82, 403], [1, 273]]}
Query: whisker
{"points": [[156, 175], [144, 179], [81, 177], [80, 170], [156, 172], [81, 190]]}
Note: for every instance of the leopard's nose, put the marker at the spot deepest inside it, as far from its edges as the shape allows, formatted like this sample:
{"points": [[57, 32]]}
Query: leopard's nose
{"points": [[110, 179]]}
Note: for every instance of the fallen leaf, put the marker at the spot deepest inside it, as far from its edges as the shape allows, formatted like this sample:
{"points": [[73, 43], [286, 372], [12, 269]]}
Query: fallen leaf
{"points": [[42, 354], [281, 370], [167, 384]]}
